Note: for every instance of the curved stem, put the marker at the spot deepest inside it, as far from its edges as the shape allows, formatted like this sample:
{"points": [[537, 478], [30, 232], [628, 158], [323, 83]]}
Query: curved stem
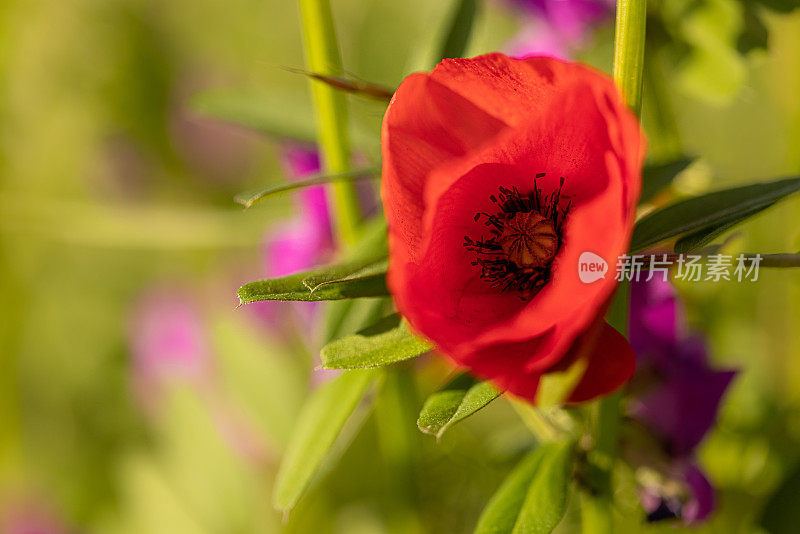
{"points": [[322, 57]]}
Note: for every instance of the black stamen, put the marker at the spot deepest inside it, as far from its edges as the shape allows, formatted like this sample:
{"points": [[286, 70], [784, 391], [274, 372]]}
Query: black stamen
{"points": [[492, 259]]}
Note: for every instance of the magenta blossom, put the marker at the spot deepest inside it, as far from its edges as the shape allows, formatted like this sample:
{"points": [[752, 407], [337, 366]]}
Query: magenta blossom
{"points": [[306, 240], [299, 244], [681, 396], [29, 517], [167, 343], [169, 346], [557, 27]]}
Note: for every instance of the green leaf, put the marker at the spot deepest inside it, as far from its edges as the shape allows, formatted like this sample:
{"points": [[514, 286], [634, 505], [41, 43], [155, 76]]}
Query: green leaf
{"points": [[656, 178], [533, 498], [707, 213], [251, 197], [546, 501], [460, 398], [363, 275], [696, 240], [348, 85], [319, 424], [461, 22], [388, 341], [346, 281]]}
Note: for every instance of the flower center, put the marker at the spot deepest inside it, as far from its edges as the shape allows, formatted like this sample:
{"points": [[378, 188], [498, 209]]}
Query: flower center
{"points": [[529, 240], [525, 235]]}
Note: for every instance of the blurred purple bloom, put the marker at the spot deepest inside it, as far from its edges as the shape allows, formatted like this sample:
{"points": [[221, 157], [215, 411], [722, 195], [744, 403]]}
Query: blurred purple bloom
{"points": [[684, 393], [307, 239], [303, 242], [555, 27], [168, 345], [694, 507], [29, 517]]}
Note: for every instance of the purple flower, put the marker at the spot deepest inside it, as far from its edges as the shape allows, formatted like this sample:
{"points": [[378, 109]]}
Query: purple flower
{"points": [[555, 27], [300, 243], [167, 343], [682, 393], [307, 239], [29, 517]]}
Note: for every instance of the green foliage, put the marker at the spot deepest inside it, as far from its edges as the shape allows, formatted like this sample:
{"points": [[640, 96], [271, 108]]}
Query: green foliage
{"points": [[710, 213], [656, 178], [345, 281], [457, 400], [249, 198], [319, 424], [533, 499], [388, 341]]}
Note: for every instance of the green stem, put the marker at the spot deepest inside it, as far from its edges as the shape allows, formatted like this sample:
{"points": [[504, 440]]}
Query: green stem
{"points": [[629, 50], [322, 57], [597, 508]]}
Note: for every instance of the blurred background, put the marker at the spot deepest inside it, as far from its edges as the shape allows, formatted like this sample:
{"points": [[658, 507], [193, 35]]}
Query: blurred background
{"points": [[135, 397]]}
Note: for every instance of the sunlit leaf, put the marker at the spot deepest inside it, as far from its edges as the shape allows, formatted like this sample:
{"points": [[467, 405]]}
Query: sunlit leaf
{"points": [[347, 281], [533, 498], [249, 198], [320, 422], [709, 212], [457, 400], [388, 341]]}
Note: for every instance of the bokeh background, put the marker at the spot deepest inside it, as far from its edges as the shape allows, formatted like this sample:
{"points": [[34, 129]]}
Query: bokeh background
{"points": [[136, 398]]}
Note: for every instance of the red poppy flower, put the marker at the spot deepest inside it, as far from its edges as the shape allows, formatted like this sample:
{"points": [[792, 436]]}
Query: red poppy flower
{"points": [[498, 174]]}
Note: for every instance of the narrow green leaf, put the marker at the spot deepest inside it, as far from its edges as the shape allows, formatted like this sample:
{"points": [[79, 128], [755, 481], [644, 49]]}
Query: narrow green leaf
{"points": [[319, 424], [533, 498], [500, 514], [345, 273], [249, 198], [655, 178], [457, 400], [696, 240], [294, 287], [362, 275], [349, 85], [388, 341], [458, 34], [346, 281], [710, 212], [546, 501]]}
